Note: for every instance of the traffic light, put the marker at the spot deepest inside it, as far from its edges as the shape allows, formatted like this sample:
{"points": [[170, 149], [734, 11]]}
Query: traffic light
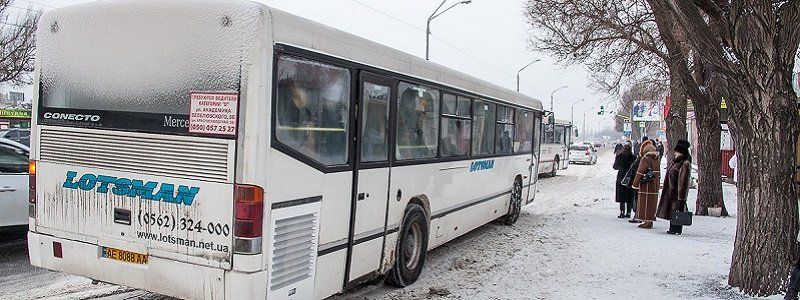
{"points": [[602, 110]]}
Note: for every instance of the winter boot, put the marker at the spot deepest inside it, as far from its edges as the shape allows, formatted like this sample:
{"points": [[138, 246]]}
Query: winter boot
{"points": [[794, 285]]}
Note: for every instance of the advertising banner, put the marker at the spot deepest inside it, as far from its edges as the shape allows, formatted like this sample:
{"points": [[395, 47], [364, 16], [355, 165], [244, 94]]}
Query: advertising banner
{"points": [[10, 113], [647, 111]]}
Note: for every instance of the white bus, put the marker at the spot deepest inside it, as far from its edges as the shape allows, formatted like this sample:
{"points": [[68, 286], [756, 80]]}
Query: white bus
{"points": [[556, 138], [227, 150]]}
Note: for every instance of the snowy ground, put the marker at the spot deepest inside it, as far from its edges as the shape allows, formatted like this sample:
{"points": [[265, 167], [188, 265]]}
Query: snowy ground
{"points": [[568, 244]]}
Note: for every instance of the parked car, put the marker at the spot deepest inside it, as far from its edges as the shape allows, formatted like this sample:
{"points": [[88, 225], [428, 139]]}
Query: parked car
{"points": [[13, 183], [19, 135], [583, 153]]}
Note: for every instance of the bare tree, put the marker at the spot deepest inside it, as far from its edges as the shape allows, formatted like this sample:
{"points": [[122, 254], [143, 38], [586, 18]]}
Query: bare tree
{"points": [[17, 42], [749, 49], [635, 41]]}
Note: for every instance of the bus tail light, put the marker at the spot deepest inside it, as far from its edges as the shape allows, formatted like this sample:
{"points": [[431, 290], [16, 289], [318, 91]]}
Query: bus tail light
{"points": [[32, 181], [248, 219]]}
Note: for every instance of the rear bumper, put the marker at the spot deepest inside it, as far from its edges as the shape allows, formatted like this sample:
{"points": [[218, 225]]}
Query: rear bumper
{"points": [[581, 159], [159, 275]]}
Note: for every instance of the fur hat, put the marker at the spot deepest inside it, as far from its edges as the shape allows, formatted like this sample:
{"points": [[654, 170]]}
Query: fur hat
{"points": [[682, 147]]}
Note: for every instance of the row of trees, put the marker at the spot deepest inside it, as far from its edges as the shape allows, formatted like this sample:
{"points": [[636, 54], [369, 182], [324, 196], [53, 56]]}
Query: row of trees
{"points": [[705, 50]]}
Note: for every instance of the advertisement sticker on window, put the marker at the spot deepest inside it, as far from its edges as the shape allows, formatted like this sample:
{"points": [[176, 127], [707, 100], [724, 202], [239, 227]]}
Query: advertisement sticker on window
{"points": [[213, 113]]}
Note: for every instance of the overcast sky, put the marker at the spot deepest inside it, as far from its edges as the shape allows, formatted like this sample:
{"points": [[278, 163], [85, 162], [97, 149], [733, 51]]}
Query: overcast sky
{"points": [[486, 38]]}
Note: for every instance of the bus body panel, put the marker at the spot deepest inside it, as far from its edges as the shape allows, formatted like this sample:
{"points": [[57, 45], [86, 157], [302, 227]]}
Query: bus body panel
{"points": [[167, 276], [187, 219], [454, 186]]}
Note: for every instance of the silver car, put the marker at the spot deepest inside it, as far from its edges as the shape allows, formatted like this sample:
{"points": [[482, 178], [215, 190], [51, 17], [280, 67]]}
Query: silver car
{"points": [[13, 183], [585, 154]]}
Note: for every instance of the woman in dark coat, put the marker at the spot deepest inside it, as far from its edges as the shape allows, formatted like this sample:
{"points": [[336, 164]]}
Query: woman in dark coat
{"points": [[676, 186], [648, 191], [624, 194]]}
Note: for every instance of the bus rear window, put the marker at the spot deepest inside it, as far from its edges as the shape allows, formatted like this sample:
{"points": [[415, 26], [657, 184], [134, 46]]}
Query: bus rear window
{"points": [[131, 70], [578, 148]]}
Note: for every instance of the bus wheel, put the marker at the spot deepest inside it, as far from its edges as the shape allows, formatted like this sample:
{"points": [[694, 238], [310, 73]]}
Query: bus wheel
{"points": [[412, 247], [555, 168], [516, 203]]}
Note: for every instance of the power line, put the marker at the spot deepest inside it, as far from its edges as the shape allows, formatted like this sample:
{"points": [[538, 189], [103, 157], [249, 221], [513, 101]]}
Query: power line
{"points": [[443, 41]]}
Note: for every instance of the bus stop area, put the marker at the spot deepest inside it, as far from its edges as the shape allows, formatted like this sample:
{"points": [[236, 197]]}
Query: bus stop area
{"points": [[568, 244]]}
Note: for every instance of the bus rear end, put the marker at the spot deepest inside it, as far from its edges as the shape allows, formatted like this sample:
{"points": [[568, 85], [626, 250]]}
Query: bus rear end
{"points": [[133, 177]]}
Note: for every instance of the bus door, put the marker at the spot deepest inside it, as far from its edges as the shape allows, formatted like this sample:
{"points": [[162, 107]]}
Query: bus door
{"points": [[370, 179]]}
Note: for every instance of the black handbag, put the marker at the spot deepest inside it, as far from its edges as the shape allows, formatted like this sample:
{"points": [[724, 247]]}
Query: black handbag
{"points": [[681, 218], [648, 176]]}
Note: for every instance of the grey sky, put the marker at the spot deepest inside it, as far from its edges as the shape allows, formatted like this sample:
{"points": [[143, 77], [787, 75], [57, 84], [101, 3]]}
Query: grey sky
{"points": [[486, 39]]}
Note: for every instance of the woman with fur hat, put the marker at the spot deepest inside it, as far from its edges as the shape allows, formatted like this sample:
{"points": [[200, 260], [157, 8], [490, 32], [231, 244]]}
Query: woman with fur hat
{"points": [[647, 181], [676, 186]]}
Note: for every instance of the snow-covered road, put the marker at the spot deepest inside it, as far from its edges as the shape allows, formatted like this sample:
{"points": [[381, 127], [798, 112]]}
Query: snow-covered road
{"points": [[568, 244]]}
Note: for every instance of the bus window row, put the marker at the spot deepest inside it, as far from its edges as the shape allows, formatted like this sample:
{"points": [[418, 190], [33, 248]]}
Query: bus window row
{"points": [[312, 117]]}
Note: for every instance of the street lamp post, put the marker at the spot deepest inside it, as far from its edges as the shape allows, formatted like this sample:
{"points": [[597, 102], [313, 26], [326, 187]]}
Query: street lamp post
{"points": [[435, 14], [523, 68], [572, 111], [551, 95], [584, 122]]}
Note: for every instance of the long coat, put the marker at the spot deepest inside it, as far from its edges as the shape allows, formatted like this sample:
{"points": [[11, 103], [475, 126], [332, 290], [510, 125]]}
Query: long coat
{"points": [[676, 188], [647, 200], [622, 163]]}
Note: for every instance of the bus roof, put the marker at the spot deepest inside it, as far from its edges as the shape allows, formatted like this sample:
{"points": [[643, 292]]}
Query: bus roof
{"points": [[558, 121], [303, 33]]}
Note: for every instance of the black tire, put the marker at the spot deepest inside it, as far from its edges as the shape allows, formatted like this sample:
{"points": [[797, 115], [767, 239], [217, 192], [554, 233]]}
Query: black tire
{"points": [[515, 206], [555, 169], [412, 247]]}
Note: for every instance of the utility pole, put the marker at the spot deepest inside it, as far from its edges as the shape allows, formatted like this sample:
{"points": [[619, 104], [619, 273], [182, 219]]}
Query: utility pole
{"points": [[428, 26], [551, 96], [572, 111], [584, 122], [523, 68]]}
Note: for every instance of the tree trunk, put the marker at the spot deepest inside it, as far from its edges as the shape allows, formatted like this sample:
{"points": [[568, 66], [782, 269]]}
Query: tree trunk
{"points": [[709, 186], [676, 119], [766, 127]]}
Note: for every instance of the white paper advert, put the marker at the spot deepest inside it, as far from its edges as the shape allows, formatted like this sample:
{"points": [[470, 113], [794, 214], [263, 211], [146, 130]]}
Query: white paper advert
{"points": [[213, 113]]}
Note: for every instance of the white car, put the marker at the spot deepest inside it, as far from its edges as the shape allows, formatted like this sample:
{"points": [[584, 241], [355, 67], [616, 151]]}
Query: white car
{"points": [[584, 153], [13, 183]]}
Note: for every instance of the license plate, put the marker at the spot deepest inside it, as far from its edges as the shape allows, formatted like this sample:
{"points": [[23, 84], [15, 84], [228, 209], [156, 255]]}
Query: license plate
{"points": [[126, 256]]}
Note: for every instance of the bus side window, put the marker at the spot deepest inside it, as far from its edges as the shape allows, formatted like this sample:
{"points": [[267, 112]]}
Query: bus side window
{"points": [[375, 122], [505, 129], [417, 122], [312, 109], [456, 125], [483, 120], [523, 139]]}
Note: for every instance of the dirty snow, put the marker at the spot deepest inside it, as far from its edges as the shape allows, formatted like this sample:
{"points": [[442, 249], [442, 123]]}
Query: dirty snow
{"points": [[568, 244]]}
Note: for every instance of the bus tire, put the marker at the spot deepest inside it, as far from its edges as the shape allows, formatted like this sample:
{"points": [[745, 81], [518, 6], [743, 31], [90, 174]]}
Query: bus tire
{"points": [[515, 205], [555, 168], [412, 247]]}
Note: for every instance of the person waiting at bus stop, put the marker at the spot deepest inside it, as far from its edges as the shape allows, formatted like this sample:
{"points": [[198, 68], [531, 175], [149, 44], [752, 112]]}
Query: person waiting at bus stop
{"points": [[676, 186], [647, 181], [624, 193]]}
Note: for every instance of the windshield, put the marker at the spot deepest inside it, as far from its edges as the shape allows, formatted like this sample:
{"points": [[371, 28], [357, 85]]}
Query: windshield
{"points": [[580, 148]]}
